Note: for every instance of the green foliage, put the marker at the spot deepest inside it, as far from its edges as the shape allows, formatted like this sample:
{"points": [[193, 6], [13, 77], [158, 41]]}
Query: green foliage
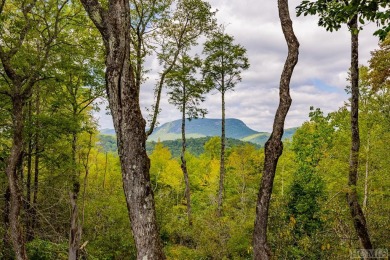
{"points": [[178, 32], [309, 218], [224, 61], [335, 13], [185, 91], [184, 26], [378, 74], [45, 250], [108, 143], [196, 146], [307, 191]]}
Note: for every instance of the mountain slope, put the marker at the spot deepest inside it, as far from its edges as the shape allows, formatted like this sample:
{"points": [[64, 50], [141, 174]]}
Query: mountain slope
{"points": [[201, 127]]}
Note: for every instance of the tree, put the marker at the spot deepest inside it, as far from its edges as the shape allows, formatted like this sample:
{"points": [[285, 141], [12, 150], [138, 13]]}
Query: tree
{"points": [[223, 65], [186, 93], [379, 75], [80, 81], [155, 29], [113, 23], [28, 30], [274, 145], [307, 190], [332, 15], [146, 18]]}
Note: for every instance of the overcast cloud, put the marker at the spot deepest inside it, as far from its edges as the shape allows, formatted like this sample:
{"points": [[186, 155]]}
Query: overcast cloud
{"points": [[319, 78]]}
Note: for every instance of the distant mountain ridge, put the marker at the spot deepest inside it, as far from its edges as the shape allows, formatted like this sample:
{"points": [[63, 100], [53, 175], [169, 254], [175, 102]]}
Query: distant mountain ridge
{"points": [[107, 131], [204, 127]]}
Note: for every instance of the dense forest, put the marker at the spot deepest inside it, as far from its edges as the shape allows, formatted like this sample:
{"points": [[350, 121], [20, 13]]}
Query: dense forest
{"points": [[70, 192]]}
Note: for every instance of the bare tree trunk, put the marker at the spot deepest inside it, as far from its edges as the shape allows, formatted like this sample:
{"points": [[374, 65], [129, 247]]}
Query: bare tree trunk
{"points": [[184, 164], [123, 97], [13, 161], [358, 217], [74, 232], [365, 200], [222, 162], [274, 145]]}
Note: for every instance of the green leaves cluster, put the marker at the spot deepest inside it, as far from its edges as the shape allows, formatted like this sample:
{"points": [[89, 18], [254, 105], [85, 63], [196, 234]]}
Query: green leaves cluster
{"points": [[334, 13], [224, 61], [186, 92]]}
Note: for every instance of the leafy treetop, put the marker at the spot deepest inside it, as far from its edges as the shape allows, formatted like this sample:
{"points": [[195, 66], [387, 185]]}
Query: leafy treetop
{"points": [[334, 13]]}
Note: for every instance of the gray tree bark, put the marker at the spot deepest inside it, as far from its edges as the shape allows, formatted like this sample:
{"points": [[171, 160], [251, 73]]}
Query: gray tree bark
{"points": [[184, 163], [222, 162], [274, 145], [13, 161], [75, 229], [123, 97], [359, 220]]}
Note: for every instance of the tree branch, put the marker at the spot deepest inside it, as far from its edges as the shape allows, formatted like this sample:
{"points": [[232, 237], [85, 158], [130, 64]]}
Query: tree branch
{"points": [[11, 73], [97, 14], [2, 3]]}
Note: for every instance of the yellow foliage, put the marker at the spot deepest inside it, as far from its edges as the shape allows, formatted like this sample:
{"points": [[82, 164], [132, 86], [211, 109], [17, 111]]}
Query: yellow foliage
{"points": [[292, 221], [171, 175]]}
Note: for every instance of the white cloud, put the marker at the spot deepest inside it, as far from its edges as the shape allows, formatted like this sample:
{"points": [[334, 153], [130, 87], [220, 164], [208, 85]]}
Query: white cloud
{"points": [[319, 78]]}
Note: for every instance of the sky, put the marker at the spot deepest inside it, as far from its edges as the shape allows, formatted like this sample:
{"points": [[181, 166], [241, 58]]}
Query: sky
{"points": [[319, 78]]}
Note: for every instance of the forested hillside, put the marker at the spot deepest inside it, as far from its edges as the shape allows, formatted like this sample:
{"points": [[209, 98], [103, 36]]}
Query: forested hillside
{"points": [[194, 145], [318, 191], [199, 131], [202, 127]]}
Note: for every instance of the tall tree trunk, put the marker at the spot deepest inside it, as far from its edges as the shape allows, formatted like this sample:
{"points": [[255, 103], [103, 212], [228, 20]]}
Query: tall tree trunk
{"points": [[13, 161], [222, 162], [74, 236], [86, 168], [34, 219], [274, 145], [123, 97], [184, 164], [365, 200], [74, 232], [359, 220], [6, 250], [105, 170], [28, 202]]}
